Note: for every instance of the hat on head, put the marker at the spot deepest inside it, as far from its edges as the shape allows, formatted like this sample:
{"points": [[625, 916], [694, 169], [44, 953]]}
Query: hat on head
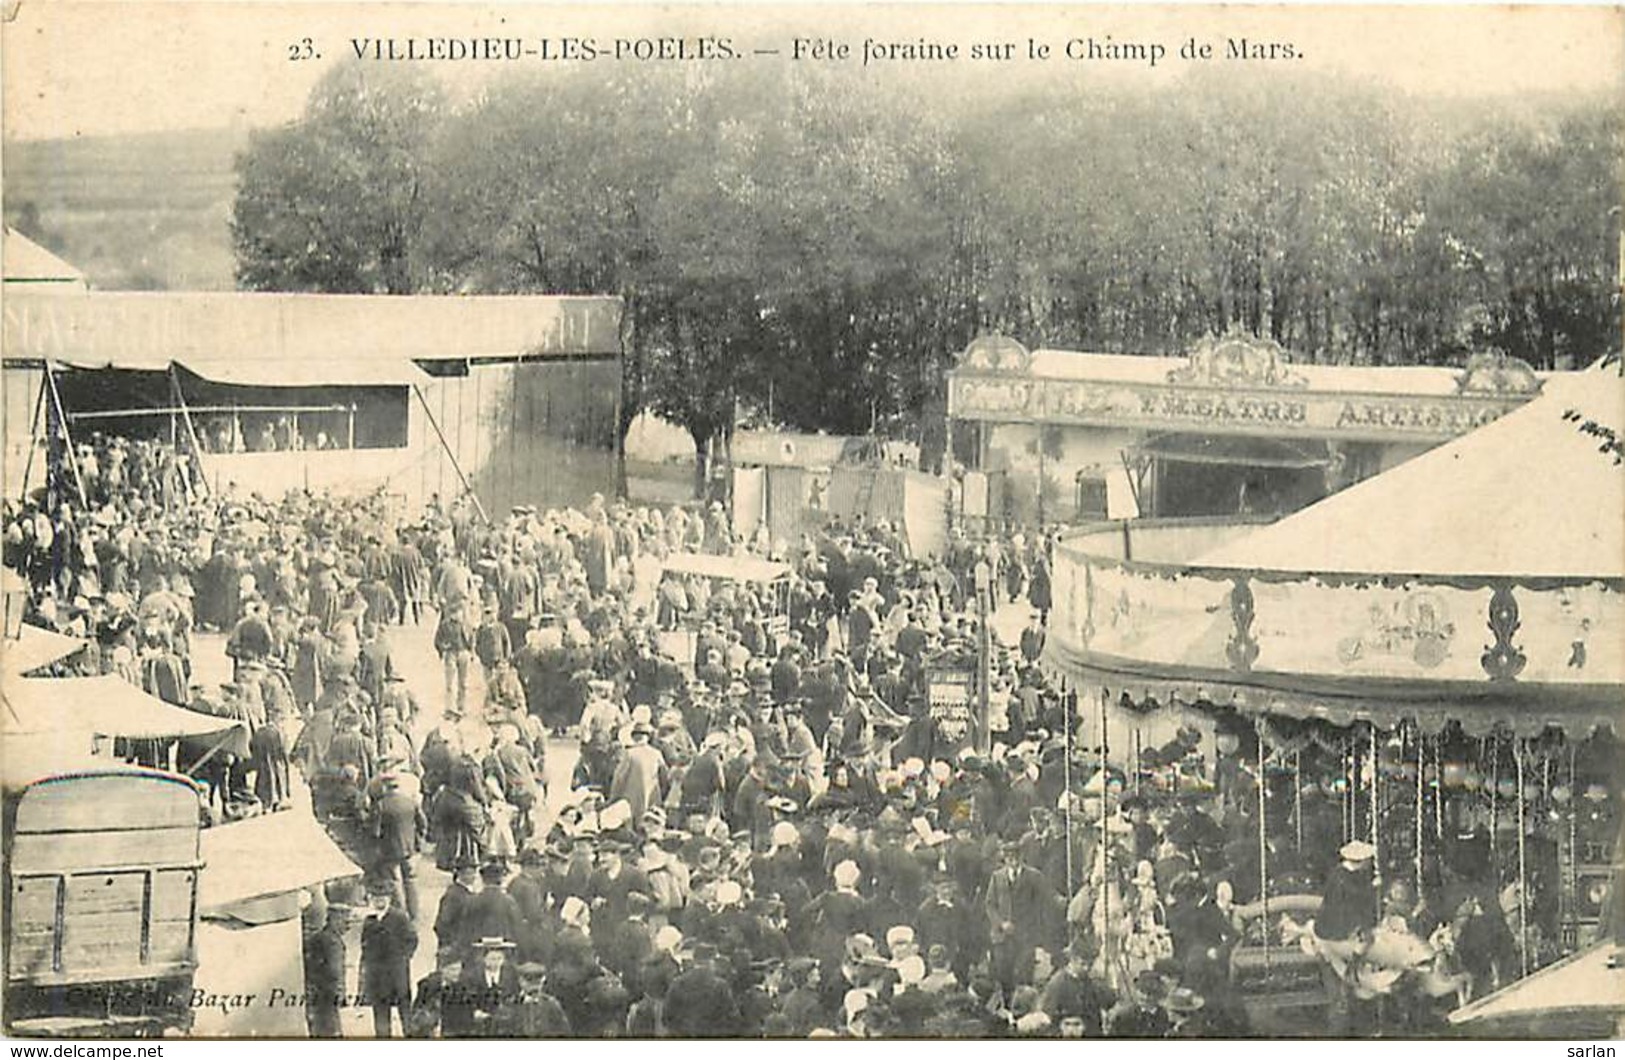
{"points": [[494, 942], [1357, 850]]}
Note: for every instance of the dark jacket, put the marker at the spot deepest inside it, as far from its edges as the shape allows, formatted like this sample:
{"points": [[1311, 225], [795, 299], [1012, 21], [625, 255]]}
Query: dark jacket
{"points": [[397, 821], [387, 945]]}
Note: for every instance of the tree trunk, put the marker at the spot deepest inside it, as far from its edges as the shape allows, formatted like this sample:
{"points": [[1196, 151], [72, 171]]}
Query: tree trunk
{"points": [[702, 462]]}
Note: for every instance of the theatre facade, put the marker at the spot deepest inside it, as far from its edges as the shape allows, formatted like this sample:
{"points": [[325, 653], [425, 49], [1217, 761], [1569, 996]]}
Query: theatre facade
{"points": [[1235, 427], [514, 398]]}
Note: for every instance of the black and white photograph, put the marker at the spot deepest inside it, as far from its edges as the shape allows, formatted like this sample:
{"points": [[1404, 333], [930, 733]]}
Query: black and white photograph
{"points": [[846, 521]]}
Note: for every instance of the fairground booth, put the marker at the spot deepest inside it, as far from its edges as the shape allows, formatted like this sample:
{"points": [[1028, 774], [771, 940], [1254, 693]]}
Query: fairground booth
{"points": [[1235, 427], [1431, 662], [516, 398]]}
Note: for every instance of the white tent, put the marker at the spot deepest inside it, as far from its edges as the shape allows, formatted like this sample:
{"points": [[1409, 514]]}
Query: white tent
{"points": [[35, 648], [270, 854], [103, 706], [1531, 494]]}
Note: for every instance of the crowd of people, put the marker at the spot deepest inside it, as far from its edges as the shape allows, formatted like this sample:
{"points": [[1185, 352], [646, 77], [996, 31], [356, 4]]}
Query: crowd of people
{"points": [[775, 826]]}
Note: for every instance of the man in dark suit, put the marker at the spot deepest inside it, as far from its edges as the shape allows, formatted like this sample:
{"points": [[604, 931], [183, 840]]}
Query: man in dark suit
{"points": [[397, 821], [1022, 907], [699, 1002], [451, 922], [436, 1006], [489, 982], [324, 970], [535, 1013], [388, 940]]}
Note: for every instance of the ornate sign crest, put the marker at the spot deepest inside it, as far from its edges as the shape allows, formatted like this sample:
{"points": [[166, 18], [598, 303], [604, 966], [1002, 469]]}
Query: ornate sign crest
{"points": [[1497, 373], [995, 353], [1238, 360]]}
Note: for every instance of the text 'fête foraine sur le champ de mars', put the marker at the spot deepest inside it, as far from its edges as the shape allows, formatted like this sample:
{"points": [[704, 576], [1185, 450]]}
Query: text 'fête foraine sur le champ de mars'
{"points": [[863, 52]]}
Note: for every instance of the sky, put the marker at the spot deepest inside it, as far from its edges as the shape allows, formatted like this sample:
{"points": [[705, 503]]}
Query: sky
{"points": [[75, 68]]}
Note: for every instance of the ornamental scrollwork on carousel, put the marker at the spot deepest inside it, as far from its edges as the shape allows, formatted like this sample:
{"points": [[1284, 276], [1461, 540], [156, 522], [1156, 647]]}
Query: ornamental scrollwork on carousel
{"points": [[1238, 359], [1497, 373], [1242, 648], [995, 353], [1503, 660]]}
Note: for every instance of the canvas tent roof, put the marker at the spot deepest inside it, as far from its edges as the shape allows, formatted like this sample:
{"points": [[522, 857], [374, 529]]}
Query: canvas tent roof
{"points": [[105, 706], [736, 568], [35, 648], [1528, 495], [25, 261], [238, 868], [337, 370]]}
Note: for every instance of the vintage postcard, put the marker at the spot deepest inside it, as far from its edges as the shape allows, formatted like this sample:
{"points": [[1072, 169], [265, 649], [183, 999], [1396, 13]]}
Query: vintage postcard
{"points": [[843, 521]]}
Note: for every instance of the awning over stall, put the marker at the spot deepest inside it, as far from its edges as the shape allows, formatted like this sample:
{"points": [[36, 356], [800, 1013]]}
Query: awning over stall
{"points": [[1235, 450], [36, 648], [104, 706], [336, 371], [267, 855], [733, 568]]}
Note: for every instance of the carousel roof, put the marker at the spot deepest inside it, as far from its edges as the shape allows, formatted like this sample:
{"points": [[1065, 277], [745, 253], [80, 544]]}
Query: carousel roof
{"points": [[1591, 982], [1539, 492]]}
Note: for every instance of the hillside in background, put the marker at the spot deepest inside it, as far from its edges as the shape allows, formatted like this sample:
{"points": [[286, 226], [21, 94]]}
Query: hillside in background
{"points": [[137, 212]]}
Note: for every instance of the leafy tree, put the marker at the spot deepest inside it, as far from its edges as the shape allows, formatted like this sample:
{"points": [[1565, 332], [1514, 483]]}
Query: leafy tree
{"points": [[334, 201]]}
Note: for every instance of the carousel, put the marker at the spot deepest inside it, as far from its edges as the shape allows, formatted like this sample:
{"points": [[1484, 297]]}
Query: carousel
{"points": [[1423, 674]]}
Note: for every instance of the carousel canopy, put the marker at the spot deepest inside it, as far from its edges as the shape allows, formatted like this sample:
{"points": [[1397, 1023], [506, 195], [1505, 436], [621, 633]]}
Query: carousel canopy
{"points": [[1587, 986], [1536, 493]]}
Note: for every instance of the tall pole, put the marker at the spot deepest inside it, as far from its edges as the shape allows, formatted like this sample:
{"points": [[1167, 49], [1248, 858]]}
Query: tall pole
{"points": [[1105, 848], [984, 657], [1376, 837], [1068, 705], [1297, 796], [34, 435], [67, 435], [1523, 868], [455, 466], [1421, 794], [1263, 843]]}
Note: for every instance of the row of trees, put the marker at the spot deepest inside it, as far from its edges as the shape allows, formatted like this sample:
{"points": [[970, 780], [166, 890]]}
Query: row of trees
{"points": [[817, 247]]}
